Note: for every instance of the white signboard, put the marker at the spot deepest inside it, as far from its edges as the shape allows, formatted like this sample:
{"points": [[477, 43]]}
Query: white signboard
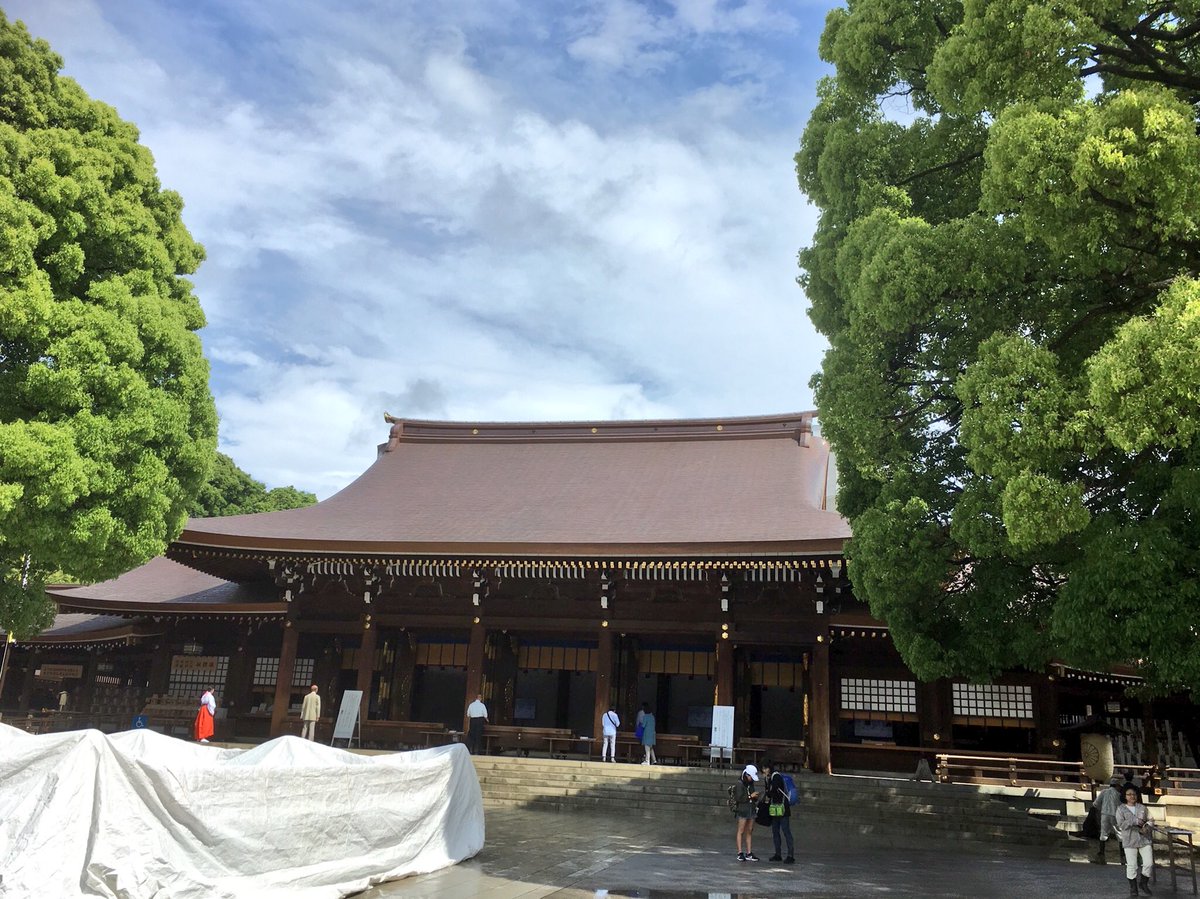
{"points": [[722, 732], [343, 728]]}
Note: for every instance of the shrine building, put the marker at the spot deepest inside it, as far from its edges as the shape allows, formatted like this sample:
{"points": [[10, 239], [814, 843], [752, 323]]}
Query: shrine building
{"points": [[557, 569]]}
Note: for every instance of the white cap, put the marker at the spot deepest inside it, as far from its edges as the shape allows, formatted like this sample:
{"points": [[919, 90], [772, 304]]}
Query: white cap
{"points": [[752, 771]]}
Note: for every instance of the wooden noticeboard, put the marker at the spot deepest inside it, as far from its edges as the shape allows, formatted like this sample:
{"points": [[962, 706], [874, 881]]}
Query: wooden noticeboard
{"points": [[347, 719]]}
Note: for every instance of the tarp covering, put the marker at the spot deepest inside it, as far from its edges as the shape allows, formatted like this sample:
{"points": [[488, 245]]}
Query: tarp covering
{"points": [[138, 814]]}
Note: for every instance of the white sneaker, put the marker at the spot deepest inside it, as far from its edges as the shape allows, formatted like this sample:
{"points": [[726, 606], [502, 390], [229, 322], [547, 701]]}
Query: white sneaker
{"points": [[204, 741]]}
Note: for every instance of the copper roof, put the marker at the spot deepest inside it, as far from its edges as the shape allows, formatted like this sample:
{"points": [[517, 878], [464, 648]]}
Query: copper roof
{"points": [[79, 629], [655, 487], [163, 585]]}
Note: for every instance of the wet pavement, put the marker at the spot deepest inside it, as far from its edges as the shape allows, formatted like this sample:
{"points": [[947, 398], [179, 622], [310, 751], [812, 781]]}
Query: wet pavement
{"points": [[583, 856]]}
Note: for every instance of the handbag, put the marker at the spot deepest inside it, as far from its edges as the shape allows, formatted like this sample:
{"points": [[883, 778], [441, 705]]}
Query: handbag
{"points": [[640, 732], [777, 809], [1091, 825]]}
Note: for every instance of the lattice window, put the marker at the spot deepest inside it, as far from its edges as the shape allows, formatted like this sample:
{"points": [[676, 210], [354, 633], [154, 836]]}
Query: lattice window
{"points": [[445, 655], [557, 658], [190, 675], [682, 661], [993, 701], [777, 674], [869, 695], [266, 672]]}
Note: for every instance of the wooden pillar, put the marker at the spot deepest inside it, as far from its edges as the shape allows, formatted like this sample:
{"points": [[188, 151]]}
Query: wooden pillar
{"points": [[241, 672], [402, 677], [366, 668], [160, 670], [283, 680], [1045, 695], [87, 685], [818, 744], [605, 679], [475, 656], [724, 672], [28, 684]]}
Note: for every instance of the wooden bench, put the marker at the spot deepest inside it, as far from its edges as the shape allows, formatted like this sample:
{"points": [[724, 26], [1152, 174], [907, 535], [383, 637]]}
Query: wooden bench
{"points": [[406, 734], [675, 746], [499, 737], [169, 714], [784, 753]]}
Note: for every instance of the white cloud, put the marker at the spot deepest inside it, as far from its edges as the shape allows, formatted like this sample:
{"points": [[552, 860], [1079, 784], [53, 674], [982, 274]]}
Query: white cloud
{"points": [[399, 216]]}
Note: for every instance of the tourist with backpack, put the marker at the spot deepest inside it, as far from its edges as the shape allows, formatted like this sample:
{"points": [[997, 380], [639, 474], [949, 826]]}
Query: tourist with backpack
{"points": [[779, 793], [742, 801]]}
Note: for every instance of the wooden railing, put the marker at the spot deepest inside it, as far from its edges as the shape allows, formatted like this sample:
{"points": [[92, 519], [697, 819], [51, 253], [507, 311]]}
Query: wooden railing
{"points": [[1015, 770], [1181, 782]]}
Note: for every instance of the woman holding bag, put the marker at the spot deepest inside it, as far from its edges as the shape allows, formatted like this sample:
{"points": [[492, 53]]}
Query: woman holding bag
{"points": [[649, 736]]}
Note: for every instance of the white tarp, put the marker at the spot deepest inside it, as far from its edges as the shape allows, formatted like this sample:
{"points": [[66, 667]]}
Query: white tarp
{"points": [[138, 814]]}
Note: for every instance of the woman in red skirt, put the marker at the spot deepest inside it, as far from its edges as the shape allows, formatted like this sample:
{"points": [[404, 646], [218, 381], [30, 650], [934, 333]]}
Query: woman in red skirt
{"points": [[203, 727]]}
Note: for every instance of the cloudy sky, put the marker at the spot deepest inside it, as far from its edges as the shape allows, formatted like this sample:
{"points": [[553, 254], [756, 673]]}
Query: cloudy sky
{"points": [[482, 210]]}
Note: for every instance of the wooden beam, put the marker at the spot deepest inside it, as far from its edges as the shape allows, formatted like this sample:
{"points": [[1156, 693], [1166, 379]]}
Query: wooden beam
{"points": [[818, 744], [283, 679], [366, 667], [475, 657], [605, 683]]}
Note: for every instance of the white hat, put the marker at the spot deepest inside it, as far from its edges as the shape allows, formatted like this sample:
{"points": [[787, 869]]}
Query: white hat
{"points": [[752, 771]]}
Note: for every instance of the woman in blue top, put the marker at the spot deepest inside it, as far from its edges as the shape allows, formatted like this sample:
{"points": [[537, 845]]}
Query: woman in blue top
{"points": [[648, 738]]}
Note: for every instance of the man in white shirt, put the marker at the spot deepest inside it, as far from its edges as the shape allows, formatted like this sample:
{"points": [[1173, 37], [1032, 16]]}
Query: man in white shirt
{"points": [[310, 713], [609, 724], [477, 715]]}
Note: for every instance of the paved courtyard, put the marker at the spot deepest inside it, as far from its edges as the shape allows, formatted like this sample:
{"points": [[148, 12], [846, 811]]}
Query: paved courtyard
{"points": [[571, 856]]}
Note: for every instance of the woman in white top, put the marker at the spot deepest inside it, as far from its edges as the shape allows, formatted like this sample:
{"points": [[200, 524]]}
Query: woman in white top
{"points": [[1133, 825], [609, 724]]}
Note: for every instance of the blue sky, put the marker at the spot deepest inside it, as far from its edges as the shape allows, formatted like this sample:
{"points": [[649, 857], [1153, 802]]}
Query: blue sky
{"points": [[488, 210]]}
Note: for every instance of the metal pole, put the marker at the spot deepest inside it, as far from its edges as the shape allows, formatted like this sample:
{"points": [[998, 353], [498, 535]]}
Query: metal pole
{"points": [[8, 645]]}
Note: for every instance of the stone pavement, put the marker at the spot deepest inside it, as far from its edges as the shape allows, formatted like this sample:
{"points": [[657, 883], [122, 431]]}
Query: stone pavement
{"points": [[582, 856]]}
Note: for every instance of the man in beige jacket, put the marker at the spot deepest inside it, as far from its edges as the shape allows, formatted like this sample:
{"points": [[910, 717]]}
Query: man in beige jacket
{"points": [[310, 713]]}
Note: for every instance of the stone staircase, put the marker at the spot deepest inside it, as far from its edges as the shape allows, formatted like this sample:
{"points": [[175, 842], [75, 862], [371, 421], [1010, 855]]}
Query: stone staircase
{"points": [[893, 813]]}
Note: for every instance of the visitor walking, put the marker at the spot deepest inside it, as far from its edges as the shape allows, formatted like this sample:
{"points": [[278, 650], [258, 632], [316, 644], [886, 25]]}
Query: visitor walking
{"points": [[649, 738], [310, 713], [203, 727], [775, 792], [1133, 824], [745, 798], [477, 715], [1106, 804], [609, 724]]}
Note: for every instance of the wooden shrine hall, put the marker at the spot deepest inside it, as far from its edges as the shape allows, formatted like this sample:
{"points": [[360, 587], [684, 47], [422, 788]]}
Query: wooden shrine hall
{"points": [[556, 569]]}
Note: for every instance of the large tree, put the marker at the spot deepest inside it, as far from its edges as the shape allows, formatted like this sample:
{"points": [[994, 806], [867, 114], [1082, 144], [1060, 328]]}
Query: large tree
{"points": [[1006, 270], [230, 491], [107, 426]]}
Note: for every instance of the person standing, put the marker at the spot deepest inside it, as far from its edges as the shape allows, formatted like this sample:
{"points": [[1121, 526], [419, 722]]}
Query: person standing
{"points": [[63, 698], [745, 799], [310, 713], [203, 726], [776, 793], [1106, 804], [649, 738], [477, 715], [609, 724], [1133, 824]]}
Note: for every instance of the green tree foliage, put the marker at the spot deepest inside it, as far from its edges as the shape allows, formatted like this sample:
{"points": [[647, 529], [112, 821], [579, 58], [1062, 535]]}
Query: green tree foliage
{"points": [[230, 491], [1006, 269], [107, 426]]}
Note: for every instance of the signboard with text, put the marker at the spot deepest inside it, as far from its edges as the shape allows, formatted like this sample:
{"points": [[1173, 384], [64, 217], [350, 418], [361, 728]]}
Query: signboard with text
{"points": [[343, 728]]}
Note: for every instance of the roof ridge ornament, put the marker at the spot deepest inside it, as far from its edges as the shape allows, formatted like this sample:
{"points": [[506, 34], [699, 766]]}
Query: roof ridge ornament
{"points": [[396, 432]]}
